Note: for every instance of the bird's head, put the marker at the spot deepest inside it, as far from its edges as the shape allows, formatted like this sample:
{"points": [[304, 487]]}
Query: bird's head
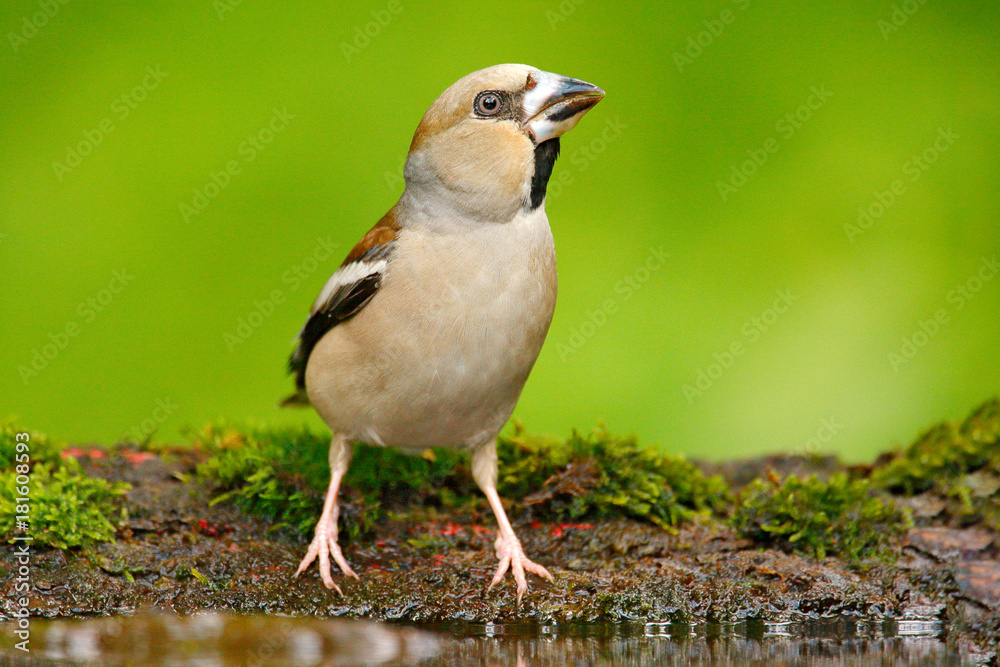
{"points": [[486, 146]]}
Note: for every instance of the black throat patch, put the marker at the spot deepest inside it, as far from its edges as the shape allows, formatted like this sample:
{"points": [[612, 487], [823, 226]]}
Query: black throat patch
{"points": [[545, 158]]}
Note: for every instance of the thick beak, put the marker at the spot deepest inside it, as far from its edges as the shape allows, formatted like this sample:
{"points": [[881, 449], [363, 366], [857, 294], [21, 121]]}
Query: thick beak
{"points": [[554, 104]]}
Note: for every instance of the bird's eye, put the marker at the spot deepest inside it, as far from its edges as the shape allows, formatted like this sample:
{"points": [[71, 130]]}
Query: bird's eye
{"points": [[488, 103]]}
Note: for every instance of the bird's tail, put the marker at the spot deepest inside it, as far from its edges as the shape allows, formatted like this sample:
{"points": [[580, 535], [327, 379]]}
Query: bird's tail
{"points": [[297, 400]]}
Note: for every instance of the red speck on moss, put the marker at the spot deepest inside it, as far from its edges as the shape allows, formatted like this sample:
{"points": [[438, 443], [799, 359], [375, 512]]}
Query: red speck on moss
{"points": [[136, 458], [559, 529]]}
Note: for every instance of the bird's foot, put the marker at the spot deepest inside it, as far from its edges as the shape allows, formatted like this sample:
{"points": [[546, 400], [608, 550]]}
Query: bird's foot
{"points": [[324, 545], [511, 556]]}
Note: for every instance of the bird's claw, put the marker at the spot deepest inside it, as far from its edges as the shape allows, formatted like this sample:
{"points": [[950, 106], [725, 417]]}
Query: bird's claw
{"points": [[324, 545], [511, 556]]}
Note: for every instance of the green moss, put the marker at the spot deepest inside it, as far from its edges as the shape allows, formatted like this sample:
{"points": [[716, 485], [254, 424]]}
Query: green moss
{"points": [[838, 517], [40, 447], [600, 475], [275, 473], [946, 451], [283, 473], [960, 462], [66, 508], [438, 477]]}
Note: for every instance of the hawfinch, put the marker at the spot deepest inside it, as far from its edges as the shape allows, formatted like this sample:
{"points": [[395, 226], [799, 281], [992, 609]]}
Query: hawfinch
{"points": [[426, 333]]}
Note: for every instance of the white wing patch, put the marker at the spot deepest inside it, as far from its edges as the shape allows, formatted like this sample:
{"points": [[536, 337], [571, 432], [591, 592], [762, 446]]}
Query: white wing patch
{"points": [[347, 291], [347, 275]]}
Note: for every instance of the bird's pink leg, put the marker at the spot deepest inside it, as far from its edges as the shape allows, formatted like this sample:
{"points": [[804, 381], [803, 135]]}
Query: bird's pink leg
{"points": [[324, 544], [509, 550]]}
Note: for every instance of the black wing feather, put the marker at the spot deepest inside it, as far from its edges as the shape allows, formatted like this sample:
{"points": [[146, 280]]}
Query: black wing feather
{"points": [[342, 305]]}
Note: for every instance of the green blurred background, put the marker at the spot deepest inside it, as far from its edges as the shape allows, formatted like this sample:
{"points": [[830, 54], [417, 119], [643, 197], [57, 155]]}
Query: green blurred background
{"points": [[692, 87]]}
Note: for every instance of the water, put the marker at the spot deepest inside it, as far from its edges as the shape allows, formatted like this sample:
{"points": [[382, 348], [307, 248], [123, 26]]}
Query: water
{"points": [[217, 640]]}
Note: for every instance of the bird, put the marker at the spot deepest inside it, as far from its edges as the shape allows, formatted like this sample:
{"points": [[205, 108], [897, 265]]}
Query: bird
{"points": [[427, 332]]}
